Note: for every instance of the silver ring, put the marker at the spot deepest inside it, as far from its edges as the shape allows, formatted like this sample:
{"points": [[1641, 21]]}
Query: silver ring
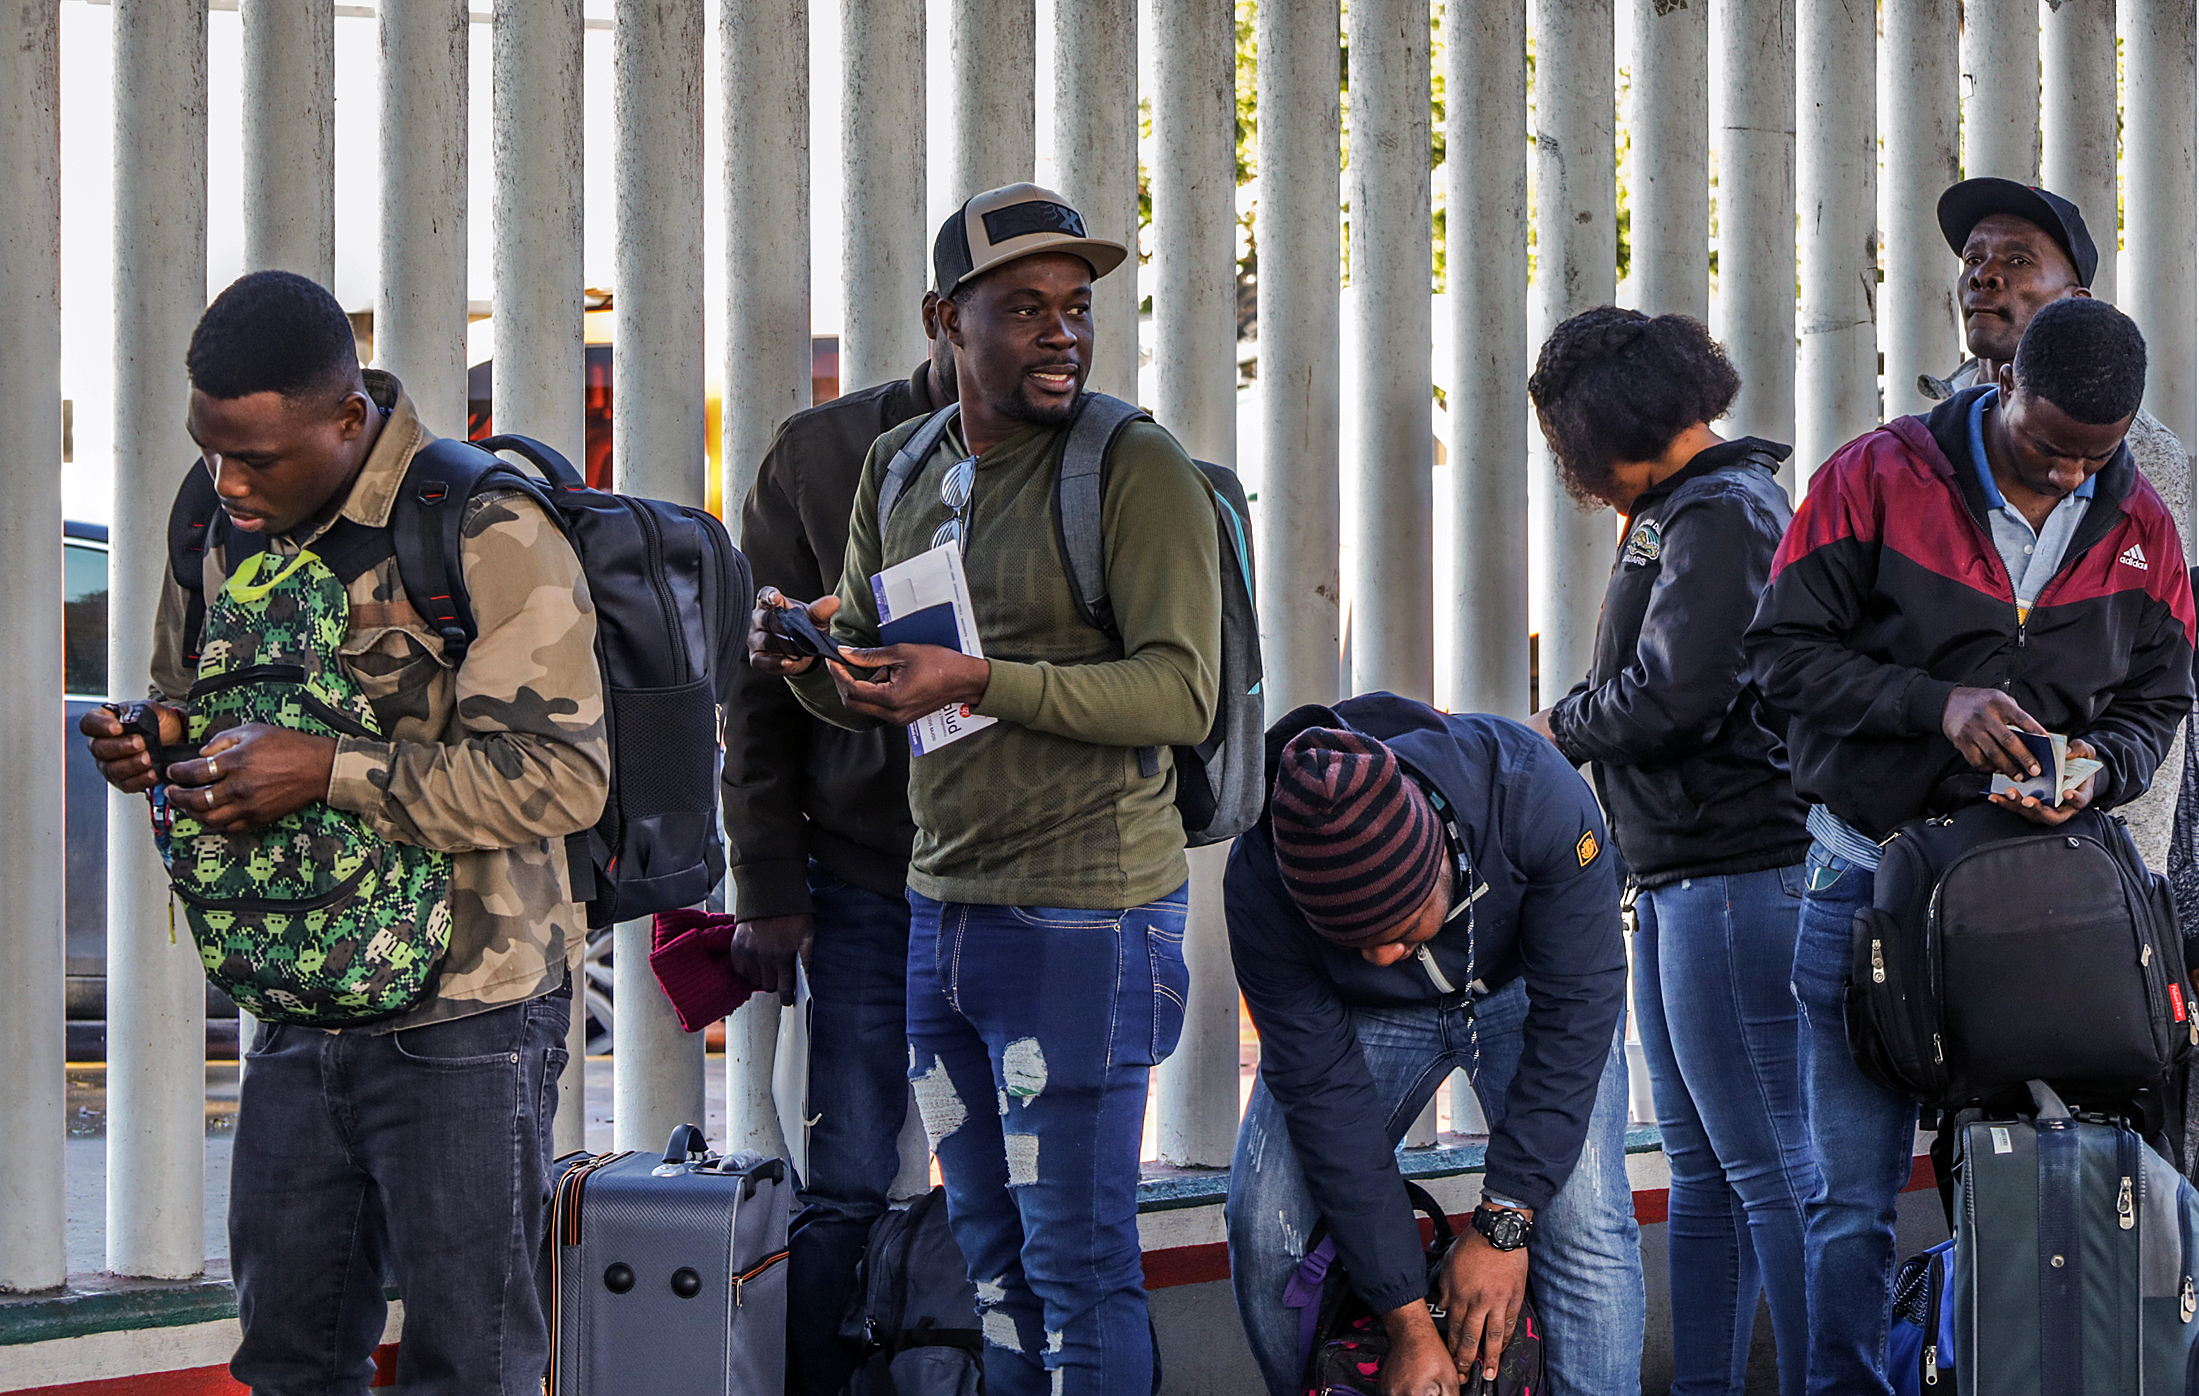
{"points": [[213, 768]]}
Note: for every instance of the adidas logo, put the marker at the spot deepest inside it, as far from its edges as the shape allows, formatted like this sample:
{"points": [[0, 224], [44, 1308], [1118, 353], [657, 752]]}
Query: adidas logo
{"points": [[2133, 556]]}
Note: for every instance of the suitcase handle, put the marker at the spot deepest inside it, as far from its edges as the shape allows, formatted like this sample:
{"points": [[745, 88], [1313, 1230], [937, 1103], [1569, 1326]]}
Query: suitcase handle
{"points": [[2048, 1105], [687, 1142]]}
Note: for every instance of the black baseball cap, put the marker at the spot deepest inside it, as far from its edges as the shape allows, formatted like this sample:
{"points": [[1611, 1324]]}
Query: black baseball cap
{"points": [[1965, 205]]}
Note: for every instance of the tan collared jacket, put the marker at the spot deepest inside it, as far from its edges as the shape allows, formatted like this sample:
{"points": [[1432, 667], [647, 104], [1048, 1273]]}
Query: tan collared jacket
{"points": [[494, 761]]}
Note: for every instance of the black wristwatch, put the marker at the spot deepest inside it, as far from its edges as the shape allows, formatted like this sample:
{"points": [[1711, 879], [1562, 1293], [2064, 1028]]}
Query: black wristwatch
{"points": [[1503, 1228]]}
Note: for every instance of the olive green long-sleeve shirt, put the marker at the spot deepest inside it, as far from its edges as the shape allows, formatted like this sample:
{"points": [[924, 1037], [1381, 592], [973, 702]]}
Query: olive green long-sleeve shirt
{"points": [[1047, 807]]}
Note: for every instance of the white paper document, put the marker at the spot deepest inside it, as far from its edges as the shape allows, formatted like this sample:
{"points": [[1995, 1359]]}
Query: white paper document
{"points": [[926, 601]]}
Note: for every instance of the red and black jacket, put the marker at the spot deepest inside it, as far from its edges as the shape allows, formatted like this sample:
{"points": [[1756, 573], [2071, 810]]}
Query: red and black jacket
{"points": [[1887, 594]]}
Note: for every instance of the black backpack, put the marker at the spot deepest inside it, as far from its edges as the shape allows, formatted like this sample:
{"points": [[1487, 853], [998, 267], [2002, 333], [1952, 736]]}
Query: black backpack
{"points": [[671, 594], [913, 1313], [1998, 951], [1218, 781]]}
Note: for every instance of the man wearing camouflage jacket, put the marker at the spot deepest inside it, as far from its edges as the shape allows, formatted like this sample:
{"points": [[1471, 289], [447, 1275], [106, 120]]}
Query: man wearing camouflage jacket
{"points": [[415, 1148]]}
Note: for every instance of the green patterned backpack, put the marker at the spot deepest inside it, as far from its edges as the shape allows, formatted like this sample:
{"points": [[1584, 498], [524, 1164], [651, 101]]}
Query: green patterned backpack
{"points": [[314, 919]]}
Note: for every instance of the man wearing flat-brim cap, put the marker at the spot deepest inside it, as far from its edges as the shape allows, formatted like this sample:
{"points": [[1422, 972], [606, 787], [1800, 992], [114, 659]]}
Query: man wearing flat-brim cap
{"points": [[1047, 883]]}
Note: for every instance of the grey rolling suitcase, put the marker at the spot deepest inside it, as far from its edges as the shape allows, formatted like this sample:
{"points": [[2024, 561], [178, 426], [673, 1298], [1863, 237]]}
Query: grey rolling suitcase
{"points": [[2074, 1264], [669, 1275]]}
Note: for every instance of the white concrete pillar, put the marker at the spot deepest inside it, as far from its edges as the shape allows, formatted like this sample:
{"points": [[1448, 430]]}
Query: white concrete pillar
{"points": [[1670, 189], [2077, 122], [1195, 349], [2158, 200], [763, 47], [751, 1048], [289, 88], [1836, 167], [156, 995], [2000, 109], [656, 444], [1918, 99], [1393, 556], [538, 373], [32, 1252], [420, 306], [1754, 313], [1485, 169], [993, 55], [1576, 227], [1096, 167], [1297, 514], [885, 247]]}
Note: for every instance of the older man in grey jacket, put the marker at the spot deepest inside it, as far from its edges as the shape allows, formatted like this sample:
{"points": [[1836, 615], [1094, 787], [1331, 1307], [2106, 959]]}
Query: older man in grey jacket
{"points": [[2023, 248]]}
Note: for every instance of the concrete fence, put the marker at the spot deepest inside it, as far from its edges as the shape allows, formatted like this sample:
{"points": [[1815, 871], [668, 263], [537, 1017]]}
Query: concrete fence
{"points": [[1815, 135]]}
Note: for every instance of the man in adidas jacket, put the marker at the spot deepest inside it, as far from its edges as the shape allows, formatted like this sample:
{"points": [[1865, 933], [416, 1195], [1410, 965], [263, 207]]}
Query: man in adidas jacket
{"points": [[1047, 885], [1429, 891], [417, 1148], [1996, 563]]}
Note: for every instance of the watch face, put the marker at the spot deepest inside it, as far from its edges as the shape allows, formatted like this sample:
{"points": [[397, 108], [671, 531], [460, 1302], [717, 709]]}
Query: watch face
{"points": [[1504, 1230]]}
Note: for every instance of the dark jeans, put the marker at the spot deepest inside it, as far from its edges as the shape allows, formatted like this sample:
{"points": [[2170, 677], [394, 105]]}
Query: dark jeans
{"points": [[1864, 1138], [858, 1097], [1032, 1032], [1713, 960], [422, 1155]]}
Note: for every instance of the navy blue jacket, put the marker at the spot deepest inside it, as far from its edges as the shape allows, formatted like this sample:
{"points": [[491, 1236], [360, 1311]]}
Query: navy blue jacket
{"points": [[1551, 913]]}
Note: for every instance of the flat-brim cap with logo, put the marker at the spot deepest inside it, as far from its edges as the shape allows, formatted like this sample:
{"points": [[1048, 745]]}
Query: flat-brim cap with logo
{"points": [[1017, 220]]}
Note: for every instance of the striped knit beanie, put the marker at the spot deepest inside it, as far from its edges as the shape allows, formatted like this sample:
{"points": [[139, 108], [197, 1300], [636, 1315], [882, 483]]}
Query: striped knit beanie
{"points": [[1357, 843]]}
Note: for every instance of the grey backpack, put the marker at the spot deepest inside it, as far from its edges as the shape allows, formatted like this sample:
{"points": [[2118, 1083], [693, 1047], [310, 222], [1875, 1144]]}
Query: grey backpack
{"points": [[1218, 790]]}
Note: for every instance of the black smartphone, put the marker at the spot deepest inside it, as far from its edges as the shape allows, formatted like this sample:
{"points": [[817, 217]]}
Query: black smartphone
{"points": [[143, 718], [793, 623]]}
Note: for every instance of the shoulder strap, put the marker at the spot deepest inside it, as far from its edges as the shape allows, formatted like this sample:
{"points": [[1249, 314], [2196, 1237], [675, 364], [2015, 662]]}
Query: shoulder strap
{"points": [[424, 528], [1081, 494], [909, 460], [195, 524]]}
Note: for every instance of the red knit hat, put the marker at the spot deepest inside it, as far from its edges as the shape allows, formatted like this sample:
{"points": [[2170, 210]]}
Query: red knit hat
{"points": [[1358, 845]]}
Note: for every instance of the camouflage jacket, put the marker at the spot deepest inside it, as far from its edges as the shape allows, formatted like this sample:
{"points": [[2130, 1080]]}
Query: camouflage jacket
{"points": [[493, 762]]}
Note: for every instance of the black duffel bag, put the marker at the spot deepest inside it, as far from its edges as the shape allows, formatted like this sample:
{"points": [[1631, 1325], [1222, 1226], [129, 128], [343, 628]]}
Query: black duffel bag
{"points": [[1999, 951]]}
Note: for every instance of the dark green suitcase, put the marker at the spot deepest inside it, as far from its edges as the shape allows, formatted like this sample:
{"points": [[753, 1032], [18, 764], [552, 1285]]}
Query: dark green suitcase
{"points": [[2073, 1259]]}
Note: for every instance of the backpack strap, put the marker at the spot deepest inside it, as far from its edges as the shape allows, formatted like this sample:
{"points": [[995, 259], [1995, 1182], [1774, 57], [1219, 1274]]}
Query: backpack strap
{"points": [[1079, 497], [908, 462], [196, 524], [425, 521]]}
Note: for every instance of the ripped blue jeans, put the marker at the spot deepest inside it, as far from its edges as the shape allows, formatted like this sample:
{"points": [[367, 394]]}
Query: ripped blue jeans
{"points": [[1032, 1032]]}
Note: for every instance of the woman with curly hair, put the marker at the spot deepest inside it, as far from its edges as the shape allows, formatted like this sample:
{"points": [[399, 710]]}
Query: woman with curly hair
{"points": [[1692, 772]]}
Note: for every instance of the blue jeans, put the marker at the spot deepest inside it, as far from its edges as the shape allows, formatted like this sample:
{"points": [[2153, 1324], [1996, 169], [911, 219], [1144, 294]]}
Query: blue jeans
{"points": [[423, 1155], [1585, 1260], [1032, 1032], [1713, 957], [858, 1096], [1864, 1138]]}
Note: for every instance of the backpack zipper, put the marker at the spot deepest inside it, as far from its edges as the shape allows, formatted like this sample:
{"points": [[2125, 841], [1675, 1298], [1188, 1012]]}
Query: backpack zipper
{"points": [[2125, 1213], [1878, 962], [2190, 1300], [653, 538]]}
